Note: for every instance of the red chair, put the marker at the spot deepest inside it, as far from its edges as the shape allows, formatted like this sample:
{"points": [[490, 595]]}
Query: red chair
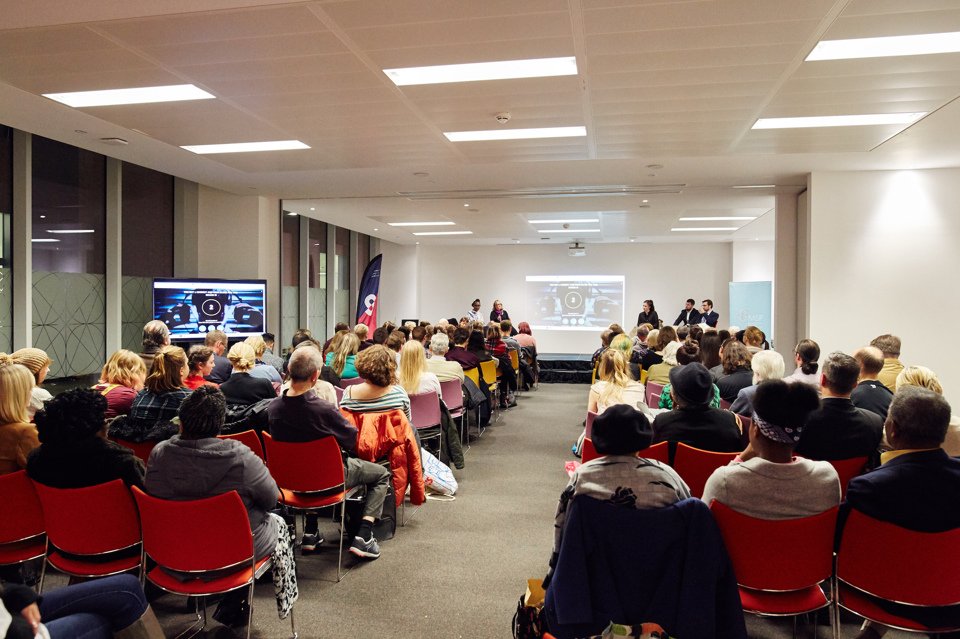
{"points": [[140, 449], [780, 564], [652, 396], [589, 423], [310, 476], [88, 528], [425, 417], [587, 451], [201, 536], [451, 392], [847, 469], [659, 452], [21, 527], [350, 381], [745, 424], [878, 560], [695, 466], [725, 405], [249, 438]]}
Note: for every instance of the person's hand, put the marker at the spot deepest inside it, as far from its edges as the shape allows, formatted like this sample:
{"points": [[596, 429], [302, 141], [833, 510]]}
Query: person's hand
{"points": [[32, 614]]}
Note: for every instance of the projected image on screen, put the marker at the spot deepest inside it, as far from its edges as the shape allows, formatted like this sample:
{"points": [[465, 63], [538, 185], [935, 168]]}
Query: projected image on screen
{"points": [[574, 302], [192, 308]]}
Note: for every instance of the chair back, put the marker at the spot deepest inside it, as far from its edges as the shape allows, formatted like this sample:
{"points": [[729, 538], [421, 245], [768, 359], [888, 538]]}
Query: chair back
{"points": [[653, 391], [887, 561], [305, 467], [589, 423], [745, 424], [474, 374], [249, 438], [847, 469], [339, 392], [587, 451], [22, 517], [695, 465], [140, 449], [350, 381], [451, 392], [659, 452], [724, 404], [643, 378], [425, 410], [488, 369], [196, 535], [514, 360], [778, 555], [90, 521]]}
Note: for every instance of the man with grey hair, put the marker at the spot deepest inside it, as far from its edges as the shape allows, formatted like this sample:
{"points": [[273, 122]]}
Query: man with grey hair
{"points": [[298, 415], [870, 393], [438, 364], [838, 429], [916, 487], [889, 345]]}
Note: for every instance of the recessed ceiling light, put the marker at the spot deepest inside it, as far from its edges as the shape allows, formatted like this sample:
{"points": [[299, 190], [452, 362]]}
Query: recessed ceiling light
{"points": [[732, 218], [568, 230], [478, 71], [869, 119], [571, 221], [140, 95], [421, 223], [376, 229], [754, 186], [70, 231], [43, 217], [247, 147], [645, 201], [466, 205], [44, 239], [292, 214], [517, 134], [418, 242], [706, 228], [885, 47], [313, 208], [445, 233]]}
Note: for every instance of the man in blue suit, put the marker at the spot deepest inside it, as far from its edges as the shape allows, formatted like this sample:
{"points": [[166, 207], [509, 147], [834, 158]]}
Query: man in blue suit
{"points": [[709, 316]]}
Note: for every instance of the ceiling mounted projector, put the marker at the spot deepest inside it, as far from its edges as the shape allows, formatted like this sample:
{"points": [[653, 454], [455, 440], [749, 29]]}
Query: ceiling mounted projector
{"points": [[576, 250]]}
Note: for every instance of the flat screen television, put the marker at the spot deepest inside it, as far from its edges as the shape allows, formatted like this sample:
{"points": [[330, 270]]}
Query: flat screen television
{"points": [[191, 308]]}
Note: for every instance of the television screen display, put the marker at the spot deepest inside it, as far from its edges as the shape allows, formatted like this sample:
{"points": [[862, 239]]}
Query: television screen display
{"points": [[192, 308]]}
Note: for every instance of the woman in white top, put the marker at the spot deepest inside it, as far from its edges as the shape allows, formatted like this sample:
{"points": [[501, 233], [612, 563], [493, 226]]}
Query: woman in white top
{"points": [[615, 385], [806, 355], [413, 374]]}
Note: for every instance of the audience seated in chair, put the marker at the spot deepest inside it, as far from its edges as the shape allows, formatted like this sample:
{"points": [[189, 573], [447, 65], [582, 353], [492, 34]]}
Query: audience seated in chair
{"points": [[890, 346], [17, 435], [298, 415], [870, 394], [737, 374], [121, 379], [322, 388], [201, 361], [156, 405], [262, 369], [74, 450], [438, 364], [269, 356], [156, 335], [242, 388], [688, 354], [925, 378], [768, 481], [807, 356], [460, 353], [765, 365], [38, 363], [614, 385], [217, 342]]}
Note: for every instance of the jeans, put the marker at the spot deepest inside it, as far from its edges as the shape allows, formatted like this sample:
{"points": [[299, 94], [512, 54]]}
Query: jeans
{"points": [[93, 609], [360, 473]]}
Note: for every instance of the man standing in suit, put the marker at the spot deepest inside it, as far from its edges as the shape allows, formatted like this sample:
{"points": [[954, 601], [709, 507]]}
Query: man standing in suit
{"points": [[838, 429], [917, 487], [689, 315], [709, 316]]}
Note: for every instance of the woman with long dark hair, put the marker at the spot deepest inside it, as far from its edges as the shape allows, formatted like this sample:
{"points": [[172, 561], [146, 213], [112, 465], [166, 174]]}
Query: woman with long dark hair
{"points": [[648, 315], [806, 355]]}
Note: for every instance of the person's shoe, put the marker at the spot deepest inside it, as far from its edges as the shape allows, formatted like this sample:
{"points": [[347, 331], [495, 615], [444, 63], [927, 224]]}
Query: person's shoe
{"points": [[232, 614], [368, 549], [309, 542]]}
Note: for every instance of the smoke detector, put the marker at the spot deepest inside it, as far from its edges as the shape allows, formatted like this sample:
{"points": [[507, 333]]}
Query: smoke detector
{"points": [[503, 117], [576, 250]]}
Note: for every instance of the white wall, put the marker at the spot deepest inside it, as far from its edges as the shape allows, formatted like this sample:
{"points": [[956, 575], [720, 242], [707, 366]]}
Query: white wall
{"points": [[884, 260], [399, 294], [450, 277], [752, 261]]}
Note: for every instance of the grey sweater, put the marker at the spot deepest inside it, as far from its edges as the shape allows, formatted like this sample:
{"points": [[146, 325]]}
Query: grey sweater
{"points": [[767, 490]]}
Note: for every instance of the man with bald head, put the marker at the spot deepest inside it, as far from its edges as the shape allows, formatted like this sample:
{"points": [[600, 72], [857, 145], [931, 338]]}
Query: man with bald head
{"points": [[870, 393]]}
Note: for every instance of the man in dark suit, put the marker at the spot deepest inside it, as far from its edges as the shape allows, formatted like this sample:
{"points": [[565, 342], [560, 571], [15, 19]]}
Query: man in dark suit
{"points": [[870, 393], [709, 316], [222, 368], [838, 429], [688, 316], [917, 487]]}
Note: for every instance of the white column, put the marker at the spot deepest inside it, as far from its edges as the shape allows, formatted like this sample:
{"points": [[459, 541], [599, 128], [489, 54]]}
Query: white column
{"points": [[303, 291], [114, 288], [20, 244]]}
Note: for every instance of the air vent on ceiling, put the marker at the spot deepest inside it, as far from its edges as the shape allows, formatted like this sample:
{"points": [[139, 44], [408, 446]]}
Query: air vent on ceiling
{"points": [[559, 191]]}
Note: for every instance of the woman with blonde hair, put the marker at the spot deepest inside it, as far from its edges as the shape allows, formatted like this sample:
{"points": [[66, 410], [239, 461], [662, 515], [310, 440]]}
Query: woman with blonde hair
{"points": [[614, 385], [413, 374], [261, 369], [926, 378], [242, 388], [343, 356], [17, 435], [122, 377], [154, 407], [37, 362]]}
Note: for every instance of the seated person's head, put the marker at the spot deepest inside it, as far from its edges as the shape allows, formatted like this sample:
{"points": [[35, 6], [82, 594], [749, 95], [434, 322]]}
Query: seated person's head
{"points": [[217, 340], [378, 366], [305, 364], [767, 365], [616, 329], [380, 335], [418, 333], [16, 385], [155, 335], [779, 412], [71, 417], [127, 369], [302, 335], [666, 335], [919, 376], [169, 367], [36, 360], [683, 332], [406, 329], [361, 330], [268, 339], [506, 327], [840, 374], [439, 344], [888, 344], [688, 353], [870, 359], [734, 356], [652, 338], [643, 331], [621, 430], [493, 332], [753, 336], [622, 343], [524, 328], [475, 341], [201, 359], [605, 338], [202, 413], [259, 346], [612, 367], [917, 418], [695, 333], [395, 341], [460, 337], [340, 326], [242, 356], [690, 385]]}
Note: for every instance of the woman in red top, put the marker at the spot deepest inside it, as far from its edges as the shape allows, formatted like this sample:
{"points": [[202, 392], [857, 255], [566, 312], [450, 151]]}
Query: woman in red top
{"points": [[201, 360], [494, 342], [120, 381]]}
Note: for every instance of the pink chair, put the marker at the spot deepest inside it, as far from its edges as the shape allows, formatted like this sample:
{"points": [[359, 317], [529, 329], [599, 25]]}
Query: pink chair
{"points": [[451, 392], [653, 394], [339, 392], [350, 381], [425, 416]]}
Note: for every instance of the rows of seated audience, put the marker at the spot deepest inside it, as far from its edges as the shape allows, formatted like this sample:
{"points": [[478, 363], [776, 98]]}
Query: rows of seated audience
{"points": [[178, 404]]}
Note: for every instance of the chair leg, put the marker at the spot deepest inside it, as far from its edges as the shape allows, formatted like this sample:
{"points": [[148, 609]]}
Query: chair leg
{"points": [[253, 581], [343, 525], [293, 626]]}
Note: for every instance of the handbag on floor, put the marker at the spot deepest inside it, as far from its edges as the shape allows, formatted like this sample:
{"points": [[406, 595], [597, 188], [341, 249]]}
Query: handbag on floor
{"points": [[437, 476], [530, 622]]}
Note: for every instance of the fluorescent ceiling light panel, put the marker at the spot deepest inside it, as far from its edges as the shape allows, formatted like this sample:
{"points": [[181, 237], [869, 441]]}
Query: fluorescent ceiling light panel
{"points": [[754, 186], [568, 230], [421, 223], [445, 233], [70, 231], [477, 71], [44, 239], [732, 218], [572, 221], [886, 47], [869, 119], [247, 147], [517, 134], [140, 95], [706, 228]]}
